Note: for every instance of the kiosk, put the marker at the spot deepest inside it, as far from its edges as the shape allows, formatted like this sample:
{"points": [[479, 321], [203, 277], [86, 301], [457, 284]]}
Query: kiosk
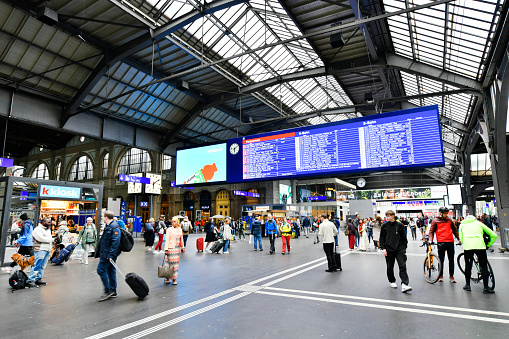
{"points": [[58, 200]]}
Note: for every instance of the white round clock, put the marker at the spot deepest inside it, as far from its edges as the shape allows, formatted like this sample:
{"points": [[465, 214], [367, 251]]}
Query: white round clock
{"points": [[361, 182], [234, 148]]}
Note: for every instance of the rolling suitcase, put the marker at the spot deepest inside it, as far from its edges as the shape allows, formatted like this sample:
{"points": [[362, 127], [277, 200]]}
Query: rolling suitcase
{"points": [[63, 255], [135, 282], [337, 258], [199, 244], [217, 246]]}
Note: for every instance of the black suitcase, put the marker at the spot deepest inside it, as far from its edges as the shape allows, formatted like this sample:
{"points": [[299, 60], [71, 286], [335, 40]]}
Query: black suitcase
{"points": [[216, 247], [135, 282], [337, 258]]}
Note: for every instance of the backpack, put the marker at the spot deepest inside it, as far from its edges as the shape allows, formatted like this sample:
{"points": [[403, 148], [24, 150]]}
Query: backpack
{"points": [[149, 227], [126, 241], [185, 226], [18, 280]]}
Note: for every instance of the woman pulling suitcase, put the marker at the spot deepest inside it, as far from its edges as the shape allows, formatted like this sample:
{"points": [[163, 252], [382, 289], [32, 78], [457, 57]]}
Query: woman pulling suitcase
{"points": [[172, 247]]}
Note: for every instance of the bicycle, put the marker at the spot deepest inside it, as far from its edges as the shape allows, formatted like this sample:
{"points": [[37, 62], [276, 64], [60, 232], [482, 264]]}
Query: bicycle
{"points": [[476, 275], [432, 264]]}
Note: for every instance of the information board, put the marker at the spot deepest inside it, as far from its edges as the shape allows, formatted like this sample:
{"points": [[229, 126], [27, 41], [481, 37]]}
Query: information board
{"points": [[388, 141]]}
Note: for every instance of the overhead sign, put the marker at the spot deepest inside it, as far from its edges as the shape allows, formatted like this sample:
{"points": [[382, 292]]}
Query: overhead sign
{"points": [[63, 192], [172, 183], [317, 198], [133, 178], [246, 194], [433, 192], [144, 204], [6, 162]]}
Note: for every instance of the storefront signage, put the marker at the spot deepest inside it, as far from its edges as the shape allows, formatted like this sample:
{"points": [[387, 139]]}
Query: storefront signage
{"points": [[144, 204], [246, 194], [133, 178], [5, 162], [261, 208], [205, 208], [319, 198], [413, 203], [394, 194], [48, 191]]}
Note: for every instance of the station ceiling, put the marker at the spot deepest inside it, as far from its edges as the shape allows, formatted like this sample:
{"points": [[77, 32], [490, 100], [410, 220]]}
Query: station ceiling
{"points": [[206, 72]]}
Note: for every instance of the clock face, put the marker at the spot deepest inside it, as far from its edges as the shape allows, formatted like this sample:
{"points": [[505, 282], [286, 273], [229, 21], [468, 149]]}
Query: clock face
{"points": [[155, 184], [361, 182], [234, 148], [132, 187]]}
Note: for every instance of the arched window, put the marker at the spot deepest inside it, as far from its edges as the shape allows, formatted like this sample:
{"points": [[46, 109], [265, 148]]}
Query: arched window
{"points": [[41, 172], [57, 170], [223, 203], [105, 165], [135, 160], [81, 169]]}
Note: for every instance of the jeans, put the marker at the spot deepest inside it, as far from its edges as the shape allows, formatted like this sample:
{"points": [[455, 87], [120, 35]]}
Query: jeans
{"points": [[286, 242], [259, 238], [370, 236], [196, 229], [297, 232], [335, 240], [41, 259], [414, 233], [328, 248], [226, 244], [272, 239], [356, 240], [483, 263], [185, 239], [400, 257], [108, 275], [242, 235], [449, 248]]}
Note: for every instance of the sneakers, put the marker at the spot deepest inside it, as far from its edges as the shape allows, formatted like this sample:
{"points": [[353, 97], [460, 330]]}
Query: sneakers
{"points": [[467, 288], [405, 288], [451, 280], [31, 284], [487, 291], [114, 295], [107, 296], [261, 249], [7, 270], [226, 252], [393, 285], [283, 253], [40, 283], [441, 279]]}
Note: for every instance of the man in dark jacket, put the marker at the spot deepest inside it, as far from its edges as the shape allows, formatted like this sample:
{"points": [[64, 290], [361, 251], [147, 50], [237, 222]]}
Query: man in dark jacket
{"points": [[109, 244], [393, 243], [306, 224], [256, 231], [445, 230]]}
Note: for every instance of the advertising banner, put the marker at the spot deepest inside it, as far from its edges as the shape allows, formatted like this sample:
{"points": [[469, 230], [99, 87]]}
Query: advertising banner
{"points": [[394, 194]]}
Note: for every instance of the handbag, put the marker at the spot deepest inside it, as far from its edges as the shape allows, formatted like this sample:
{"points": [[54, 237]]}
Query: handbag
{"points": [[347, 232], [164, 271]]}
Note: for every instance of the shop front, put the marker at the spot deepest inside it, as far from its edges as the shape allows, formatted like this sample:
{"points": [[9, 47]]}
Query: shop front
{"points": [[58, 200]]}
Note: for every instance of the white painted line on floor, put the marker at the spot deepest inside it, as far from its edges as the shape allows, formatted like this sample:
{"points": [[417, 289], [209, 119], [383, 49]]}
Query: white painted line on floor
{"points": [[185, 317], [434, 306], [303, 268], [392, 308]]}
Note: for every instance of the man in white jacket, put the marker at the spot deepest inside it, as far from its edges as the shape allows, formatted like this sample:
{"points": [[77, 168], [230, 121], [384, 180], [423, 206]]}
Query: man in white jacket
{"points": [[42, 248], [328, 230]]}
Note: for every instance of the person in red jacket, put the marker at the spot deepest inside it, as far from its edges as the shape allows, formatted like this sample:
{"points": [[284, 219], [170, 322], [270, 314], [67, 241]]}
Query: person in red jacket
{"points": [[445, 230]]}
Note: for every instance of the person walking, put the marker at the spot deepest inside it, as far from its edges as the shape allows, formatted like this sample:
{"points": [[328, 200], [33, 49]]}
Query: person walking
{"points": [[210, 236], [271, 232], [149, 234], [338, 225], [363, 236], [413, 228], [256, 231], [87, 238], [286, 235], [356, 223], [328, 230], [306, 223], [369, 229], [42, 241], [296, 227], [108, 249], [172, 247], [393, 242], [227, 234], [351, 234], [25, 241], [445, 230], [186, 228], [240, 230], [471, 235], [160, 229]]}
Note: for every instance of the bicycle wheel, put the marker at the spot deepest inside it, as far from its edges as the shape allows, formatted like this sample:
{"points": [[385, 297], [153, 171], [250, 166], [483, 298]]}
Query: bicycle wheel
{"points": [[431, 270], [461, 263], [491, 279]]}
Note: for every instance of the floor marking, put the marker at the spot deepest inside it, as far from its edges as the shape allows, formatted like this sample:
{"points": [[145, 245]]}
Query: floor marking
{"points": [[392, 308], [194, 303], [185, 317], [451, 308]]}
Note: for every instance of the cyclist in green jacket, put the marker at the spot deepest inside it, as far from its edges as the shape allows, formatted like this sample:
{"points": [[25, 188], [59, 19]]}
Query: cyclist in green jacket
{"points": [[471, 235]]}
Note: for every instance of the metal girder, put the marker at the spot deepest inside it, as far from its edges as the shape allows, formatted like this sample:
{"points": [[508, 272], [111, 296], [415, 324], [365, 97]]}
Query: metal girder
{"points": [[369, 42], [113, 56], [451, 146], [454, 124], [418, 68]]}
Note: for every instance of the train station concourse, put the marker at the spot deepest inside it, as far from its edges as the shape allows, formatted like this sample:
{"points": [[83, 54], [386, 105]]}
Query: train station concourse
{"points": [[254, 169]]}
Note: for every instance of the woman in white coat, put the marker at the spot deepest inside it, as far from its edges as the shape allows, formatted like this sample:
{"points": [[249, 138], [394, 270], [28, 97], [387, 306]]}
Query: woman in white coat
{"points": [[363, 234]]}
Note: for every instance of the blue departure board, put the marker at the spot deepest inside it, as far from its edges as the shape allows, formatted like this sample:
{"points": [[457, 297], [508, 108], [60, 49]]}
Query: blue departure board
{"points": [[388, 141]]}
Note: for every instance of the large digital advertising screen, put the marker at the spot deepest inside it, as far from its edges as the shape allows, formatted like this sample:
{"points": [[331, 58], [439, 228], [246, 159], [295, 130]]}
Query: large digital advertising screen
{"points": [[201, 165], [388, 141]]}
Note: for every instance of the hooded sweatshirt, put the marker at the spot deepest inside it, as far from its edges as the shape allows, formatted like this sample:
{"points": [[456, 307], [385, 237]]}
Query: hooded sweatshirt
{"points": [[26, 234], [393, 236], [471, 234]]}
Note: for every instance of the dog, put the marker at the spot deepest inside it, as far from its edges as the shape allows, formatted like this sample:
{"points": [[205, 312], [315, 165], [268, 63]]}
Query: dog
{"points": [[23, 261]]}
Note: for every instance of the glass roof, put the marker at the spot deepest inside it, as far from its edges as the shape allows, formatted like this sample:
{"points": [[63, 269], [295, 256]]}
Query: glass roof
{"points": [[251, 25]]}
